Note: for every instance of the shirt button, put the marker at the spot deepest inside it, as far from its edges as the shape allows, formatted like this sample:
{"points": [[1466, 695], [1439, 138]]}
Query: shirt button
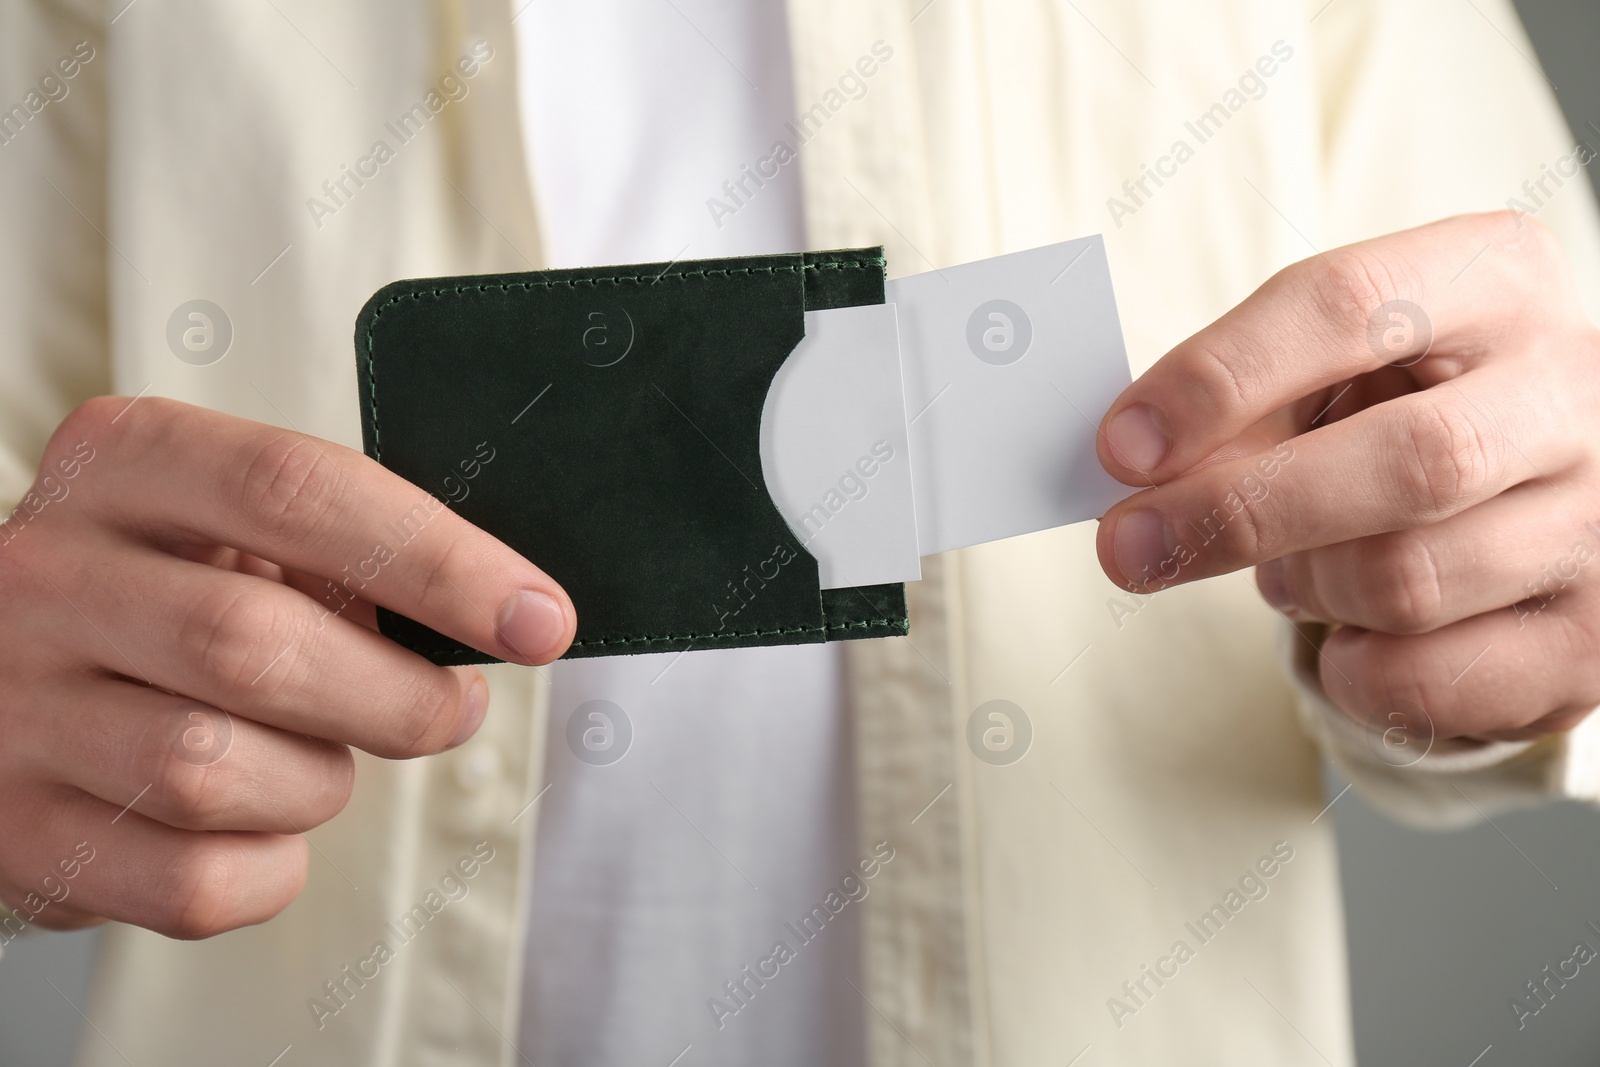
{"points": [[477, 768]]}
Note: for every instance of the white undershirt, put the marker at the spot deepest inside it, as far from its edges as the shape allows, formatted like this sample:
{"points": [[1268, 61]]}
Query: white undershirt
{"points": [[660, 877]]}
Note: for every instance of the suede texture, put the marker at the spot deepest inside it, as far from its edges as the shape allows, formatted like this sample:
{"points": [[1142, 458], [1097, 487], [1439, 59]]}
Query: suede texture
{"points": [[605, 423]]}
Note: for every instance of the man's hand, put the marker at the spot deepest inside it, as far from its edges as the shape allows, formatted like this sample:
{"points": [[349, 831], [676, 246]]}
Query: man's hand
{"points": [[187, 624], [1403, 437]]}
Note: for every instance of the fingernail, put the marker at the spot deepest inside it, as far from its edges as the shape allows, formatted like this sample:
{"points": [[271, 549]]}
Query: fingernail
{"points": [[1142, 544], [532, 625], [1139, 437], [1272, 578], [477, 708]]}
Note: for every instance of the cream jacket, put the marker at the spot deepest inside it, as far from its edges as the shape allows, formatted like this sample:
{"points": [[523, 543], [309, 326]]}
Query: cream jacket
{"points": [[1172, 764]]}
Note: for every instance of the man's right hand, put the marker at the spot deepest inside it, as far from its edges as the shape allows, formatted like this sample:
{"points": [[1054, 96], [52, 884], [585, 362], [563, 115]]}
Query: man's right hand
{"points": [[188, 646]]}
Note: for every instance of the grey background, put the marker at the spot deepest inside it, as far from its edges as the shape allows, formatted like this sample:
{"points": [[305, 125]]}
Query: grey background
{"points": [[1444, 928]]}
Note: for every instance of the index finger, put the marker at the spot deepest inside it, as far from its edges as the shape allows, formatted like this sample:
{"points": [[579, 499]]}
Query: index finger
{"points": [[1385, 302], [184, 472]]}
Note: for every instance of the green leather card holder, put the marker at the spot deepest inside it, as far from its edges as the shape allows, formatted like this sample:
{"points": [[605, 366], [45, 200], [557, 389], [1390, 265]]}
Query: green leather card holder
{"points": [[605, 423]]}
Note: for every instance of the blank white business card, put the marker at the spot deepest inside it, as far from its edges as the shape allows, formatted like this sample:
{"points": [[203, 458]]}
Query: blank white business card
{"points": [[1008, 366]]}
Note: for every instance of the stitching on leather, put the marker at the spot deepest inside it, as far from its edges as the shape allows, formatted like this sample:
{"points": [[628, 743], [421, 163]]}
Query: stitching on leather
{"points": [[572, 283], [870, 624], [824, 630]]}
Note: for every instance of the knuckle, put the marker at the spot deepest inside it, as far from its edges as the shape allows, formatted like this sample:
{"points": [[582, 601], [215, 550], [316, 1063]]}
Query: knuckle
{"points": [[1219, 375], [1526, 255], [74, 442], [1239, 531], [289, 486], [323, 786], [1350, 284], [1250, 537], [431, 717], [1524, 236], [1258, 532], [1400, 582], [1447, 463], [197, 894], [102, 420], [89, 420], [189, 795], [234, 634], [443, 574]]}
